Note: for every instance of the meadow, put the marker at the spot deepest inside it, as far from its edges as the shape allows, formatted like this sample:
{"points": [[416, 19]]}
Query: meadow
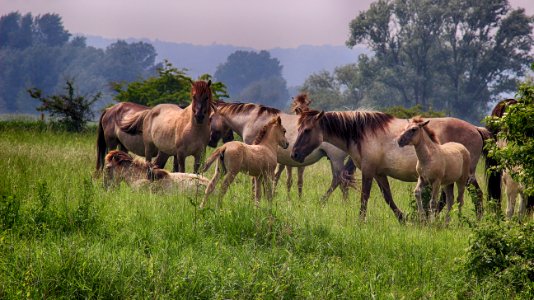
{"points": [[64, 236]]}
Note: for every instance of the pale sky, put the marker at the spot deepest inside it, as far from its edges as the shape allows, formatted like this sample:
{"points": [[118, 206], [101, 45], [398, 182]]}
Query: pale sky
{"points": [[260, 24]]}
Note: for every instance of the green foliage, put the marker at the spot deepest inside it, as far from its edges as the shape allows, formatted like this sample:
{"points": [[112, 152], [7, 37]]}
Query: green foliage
{"points": [[453, 56], [73, 111], [516, 127], [500, 258], [417, 110], [9, 210], [170, 86], [254, 77]]}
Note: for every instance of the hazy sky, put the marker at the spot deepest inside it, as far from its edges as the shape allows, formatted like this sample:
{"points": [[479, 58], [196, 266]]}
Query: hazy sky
{"points": [[261, 24]]}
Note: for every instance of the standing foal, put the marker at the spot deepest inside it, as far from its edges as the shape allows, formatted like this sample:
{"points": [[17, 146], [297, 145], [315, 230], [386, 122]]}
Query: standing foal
{"points": [[258, 160], [437, 165]]}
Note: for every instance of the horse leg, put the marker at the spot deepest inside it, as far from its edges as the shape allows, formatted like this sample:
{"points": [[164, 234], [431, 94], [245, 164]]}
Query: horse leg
{"points": [[228, 179], [461, 192], [522, 204], [479, 205], [198, 160], [268, 187], [161, 159], [367, 183], [436, 188], [300, 180], [449, 195], [257, 191], [337, 169], [511, 195], [277, 174], [181, 163], [289, 181], [211, 185], [418, 193], [383, 183]]}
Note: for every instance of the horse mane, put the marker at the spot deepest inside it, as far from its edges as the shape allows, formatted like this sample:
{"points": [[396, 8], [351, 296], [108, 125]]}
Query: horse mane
{"points": [[349, 125], [238, 107], [500, 107], [263, 132], [431, 133], [300, 103], [203, 87]]}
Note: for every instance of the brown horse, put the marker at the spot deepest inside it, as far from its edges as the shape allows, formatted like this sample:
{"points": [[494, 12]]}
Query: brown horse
{"points": [[257, 160], [437, 165], [170, 130], [119, 166], [495, 178], [369, 138], [247, 119]]}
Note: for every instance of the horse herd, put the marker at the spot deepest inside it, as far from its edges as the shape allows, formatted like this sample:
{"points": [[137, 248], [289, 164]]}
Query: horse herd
{"points": [[445, 150]]}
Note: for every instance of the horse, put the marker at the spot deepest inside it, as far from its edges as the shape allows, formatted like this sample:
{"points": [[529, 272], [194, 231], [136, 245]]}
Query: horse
{"points": [[495, 178], [369, 138], [170, 130], [437, 165], [258, 160], [247, 119], [120, 166]]}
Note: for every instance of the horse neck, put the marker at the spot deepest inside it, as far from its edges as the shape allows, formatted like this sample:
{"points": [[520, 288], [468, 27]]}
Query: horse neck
{"points": [[426, 149], [269, 141], [241, 120]]}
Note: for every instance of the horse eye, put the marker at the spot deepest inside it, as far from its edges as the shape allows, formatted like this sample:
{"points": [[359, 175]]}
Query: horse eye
{"points": [[414, 129]]}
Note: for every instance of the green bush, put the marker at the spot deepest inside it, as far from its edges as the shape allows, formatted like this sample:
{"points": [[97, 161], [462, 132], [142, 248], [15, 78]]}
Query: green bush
{"points": [[500, 258], [417, 110]]}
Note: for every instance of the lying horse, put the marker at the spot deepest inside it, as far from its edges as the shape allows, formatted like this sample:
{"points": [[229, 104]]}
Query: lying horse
{"points": [[257, 160], [437, 165], [369, 138], [247, 119], [119, 166], [170, 130]]}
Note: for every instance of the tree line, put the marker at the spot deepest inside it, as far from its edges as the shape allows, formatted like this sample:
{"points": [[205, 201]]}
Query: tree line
{"points": [[453, 56]]}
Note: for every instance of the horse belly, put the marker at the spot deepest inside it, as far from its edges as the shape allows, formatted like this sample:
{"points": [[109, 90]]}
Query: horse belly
{"points": [[134, 143]]}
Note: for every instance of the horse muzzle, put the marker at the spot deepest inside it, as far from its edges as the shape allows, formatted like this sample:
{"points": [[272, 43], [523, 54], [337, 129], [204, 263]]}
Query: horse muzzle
{"points": [[199, 119], [298, 157], [286, 145]]}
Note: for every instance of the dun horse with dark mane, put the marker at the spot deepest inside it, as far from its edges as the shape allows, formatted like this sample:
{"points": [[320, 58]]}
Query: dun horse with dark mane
{"points": [[370, 140], [170, 130]]}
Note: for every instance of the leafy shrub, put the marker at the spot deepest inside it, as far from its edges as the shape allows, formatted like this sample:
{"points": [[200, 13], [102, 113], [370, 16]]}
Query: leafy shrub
{"points": [[74, 111], [500, 257], [9, 210], [417, 110]]}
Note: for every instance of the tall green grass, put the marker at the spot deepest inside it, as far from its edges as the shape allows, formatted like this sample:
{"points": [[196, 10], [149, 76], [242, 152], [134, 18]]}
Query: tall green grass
{"points": [[65, 236]]}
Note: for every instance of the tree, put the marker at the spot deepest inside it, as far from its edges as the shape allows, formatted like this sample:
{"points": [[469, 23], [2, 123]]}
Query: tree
{"points": [[128, 62], [451, 55], [48, 29], [516, 126], [251, 74], [170, 86], [74, 111]]}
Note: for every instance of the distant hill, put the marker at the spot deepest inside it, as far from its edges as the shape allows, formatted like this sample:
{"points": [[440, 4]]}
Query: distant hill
{"points": [[298, 63]]}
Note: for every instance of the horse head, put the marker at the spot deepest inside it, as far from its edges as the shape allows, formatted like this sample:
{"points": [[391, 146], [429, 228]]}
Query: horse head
{"points": [[301, 104], [309, 136], [280, 133], [201, 103], [219, 130], [115, 164], [412, 133]]}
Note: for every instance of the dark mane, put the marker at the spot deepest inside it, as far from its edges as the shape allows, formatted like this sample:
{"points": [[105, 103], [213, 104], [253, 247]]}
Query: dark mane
{"points": [[263, 132], [349, 125], [120, 157], [237, 108], [201, 87], [500, 108], [431, 134], [300, 103]]}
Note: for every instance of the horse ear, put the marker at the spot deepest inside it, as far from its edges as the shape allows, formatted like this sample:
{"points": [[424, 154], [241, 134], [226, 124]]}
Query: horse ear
{"points": [[278, 120], [209, 83], [319, 116], [424, 123]]}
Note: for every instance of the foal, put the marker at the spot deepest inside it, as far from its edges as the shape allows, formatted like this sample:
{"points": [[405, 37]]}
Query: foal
{"points": [[258, 160], [437, 165], [120, 166]]}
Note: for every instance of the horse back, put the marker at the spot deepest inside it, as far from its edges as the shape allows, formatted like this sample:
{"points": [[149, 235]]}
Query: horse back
{"points": [[457, 160]]}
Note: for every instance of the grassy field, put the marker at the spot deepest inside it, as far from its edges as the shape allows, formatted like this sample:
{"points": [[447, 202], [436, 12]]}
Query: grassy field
{"points": [[65, 236]]}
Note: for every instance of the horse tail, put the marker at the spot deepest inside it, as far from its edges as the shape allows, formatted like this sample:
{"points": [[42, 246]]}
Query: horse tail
{"points": [[101, 146], [347, 174], [217, 154], [493, 177], [134, 124]]}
